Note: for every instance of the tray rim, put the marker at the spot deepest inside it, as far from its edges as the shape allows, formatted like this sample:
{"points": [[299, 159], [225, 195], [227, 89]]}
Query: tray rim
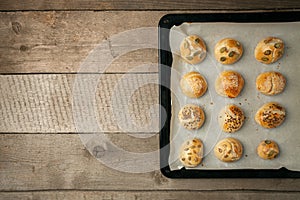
{"points": [[165, 58]]}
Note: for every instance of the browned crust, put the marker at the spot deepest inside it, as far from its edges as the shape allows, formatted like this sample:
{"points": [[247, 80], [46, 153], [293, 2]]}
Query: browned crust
{"points": [[270, 83], [270, 115], [268, 149], [193, 84], [228, 51], [229, 150], [229, 84], [231, 118], [269, 50], [193, 49], [191, 117], [191, 152]]}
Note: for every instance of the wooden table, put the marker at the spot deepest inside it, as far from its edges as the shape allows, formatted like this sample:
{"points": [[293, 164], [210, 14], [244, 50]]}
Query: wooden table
{"points": [[42, 44]]}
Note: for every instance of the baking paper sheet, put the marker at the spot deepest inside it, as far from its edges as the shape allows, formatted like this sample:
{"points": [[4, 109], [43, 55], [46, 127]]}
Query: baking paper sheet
{"points": [[250, 100]]}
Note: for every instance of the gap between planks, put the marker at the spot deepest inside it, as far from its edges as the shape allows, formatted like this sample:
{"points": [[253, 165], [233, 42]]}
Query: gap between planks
{"points": [[147, 195], [146, 5], [154, 190]]}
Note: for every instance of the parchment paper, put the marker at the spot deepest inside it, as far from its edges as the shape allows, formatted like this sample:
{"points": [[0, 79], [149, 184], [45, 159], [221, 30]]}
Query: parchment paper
{"points": [[250, 100]]}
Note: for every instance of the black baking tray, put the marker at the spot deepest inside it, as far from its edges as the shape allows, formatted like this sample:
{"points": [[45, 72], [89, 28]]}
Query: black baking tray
{"points": [[165, 59]]}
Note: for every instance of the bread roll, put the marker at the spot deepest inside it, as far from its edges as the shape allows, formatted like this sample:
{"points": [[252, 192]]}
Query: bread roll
{"points": [[269, 50], [229, 84], [193, 84], [270, 83], [268, 149], [270, 115], [191, 117], [193, 49], [231, 118], [228, 150], [228, 51], [191, 153]]}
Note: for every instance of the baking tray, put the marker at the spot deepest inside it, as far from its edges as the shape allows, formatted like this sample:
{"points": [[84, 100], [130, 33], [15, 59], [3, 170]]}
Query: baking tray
{"points": [[165, 59]]}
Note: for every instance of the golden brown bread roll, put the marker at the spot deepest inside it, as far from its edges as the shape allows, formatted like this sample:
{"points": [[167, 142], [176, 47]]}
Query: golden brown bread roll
{"points": [[229, 84], [228, 150], [191, 153], [268, 149], [269, 50], [191, 117], [270, 83], [193, 49], [228, 51], [231, 118], [193, 84], [270, 115]]}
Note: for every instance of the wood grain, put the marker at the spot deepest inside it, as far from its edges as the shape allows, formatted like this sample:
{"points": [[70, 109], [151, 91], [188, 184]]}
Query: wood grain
{"points": [[147, 195], [62, 103], [146, 5], [47, 42], [59, 162]]}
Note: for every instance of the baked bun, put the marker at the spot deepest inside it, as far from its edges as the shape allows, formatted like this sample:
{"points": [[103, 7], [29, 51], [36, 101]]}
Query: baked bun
{"points": [[268, 150], [270, 83], [231, 118], [269, 50], [229, 150], [191, 153], [193, 84], [191, 117], [270, 115], [229, 84], [193, 49], [228, 51]]}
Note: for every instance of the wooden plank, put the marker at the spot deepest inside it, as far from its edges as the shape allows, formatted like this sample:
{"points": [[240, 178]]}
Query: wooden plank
{"points": [[146, 195], [52, 162], [146, 5], [62, 103], [47, 42]]}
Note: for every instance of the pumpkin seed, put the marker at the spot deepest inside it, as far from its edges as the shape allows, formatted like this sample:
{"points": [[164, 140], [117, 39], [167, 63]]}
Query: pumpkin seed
{"points": [[267, 52], [222, 59], [197, 40], [264, 59], [223, 49], [277, 45], [267, 141], [189, 57], [231, 54], [272, 152], [196, 53], [185, 45]]}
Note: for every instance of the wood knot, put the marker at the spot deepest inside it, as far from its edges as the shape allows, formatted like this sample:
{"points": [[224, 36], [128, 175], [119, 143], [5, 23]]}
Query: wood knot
{"points": [[23, 48], [16, 27], [98, 151]]}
